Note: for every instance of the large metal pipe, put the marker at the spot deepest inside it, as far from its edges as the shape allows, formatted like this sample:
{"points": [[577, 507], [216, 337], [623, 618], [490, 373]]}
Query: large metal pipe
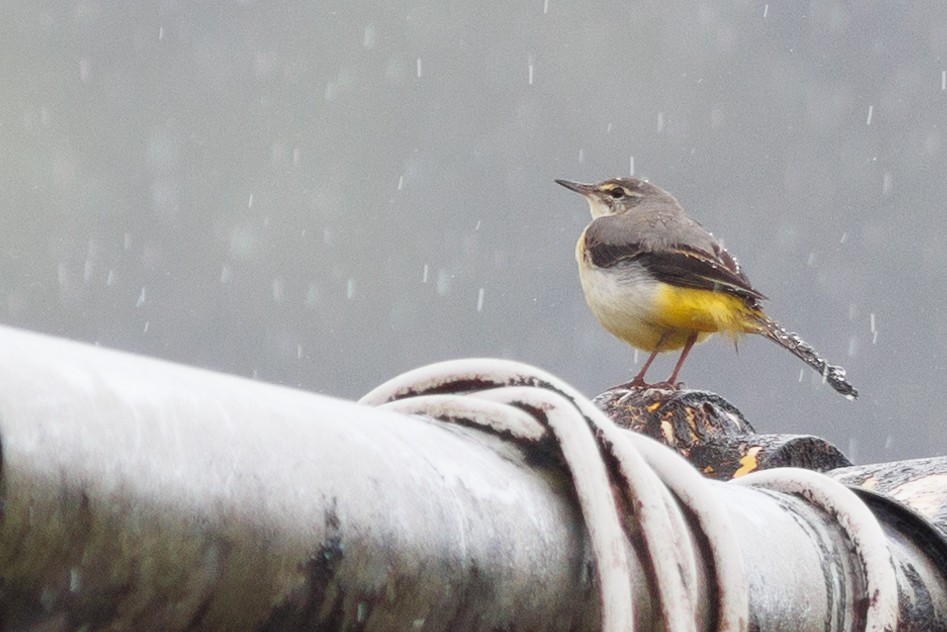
{"points": [[138, 494]]}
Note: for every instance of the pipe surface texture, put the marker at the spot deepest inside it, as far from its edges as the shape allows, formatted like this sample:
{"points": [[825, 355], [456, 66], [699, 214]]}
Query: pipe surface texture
{"points": [[142, 495]]}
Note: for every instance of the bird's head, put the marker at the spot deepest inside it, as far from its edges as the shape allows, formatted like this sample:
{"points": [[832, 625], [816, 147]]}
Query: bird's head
{"points": [[615, 195]]}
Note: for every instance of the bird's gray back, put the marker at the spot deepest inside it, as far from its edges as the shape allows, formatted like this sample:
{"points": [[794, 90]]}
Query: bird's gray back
{"points": [[653, 225]]}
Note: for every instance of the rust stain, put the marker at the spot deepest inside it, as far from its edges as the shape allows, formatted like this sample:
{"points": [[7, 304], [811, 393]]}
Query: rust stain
{"points": [[748, 462]]}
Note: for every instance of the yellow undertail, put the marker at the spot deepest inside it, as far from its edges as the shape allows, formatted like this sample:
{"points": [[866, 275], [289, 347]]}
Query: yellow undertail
{"points": [[683, 311]]}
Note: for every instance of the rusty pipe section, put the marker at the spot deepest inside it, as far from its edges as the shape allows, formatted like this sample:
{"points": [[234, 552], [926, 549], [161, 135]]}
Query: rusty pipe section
{"points": [[141, 495], [853, 564], [813, 555]]}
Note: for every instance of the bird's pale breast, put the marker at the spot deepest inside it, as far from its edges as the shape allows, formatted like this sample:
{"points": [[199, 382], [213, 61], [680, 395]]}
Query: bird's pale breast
{"points": [[624, 300]]}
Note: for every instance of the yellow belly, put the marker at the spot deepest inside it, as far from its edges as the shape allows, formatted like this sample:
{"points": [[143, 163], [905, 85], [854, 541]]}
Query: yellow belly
{"points": [[639, 310], [702, 310]]}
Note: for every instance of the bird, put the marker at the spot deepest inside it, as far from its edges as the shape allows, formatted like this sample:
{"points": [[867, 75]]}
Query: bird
{"points": [[657, 279]]}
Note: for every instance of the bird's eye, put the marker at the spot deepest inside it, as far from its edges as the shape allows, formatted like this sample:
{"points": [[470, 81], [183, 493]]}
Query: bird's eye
{"points": [[617, 193]]}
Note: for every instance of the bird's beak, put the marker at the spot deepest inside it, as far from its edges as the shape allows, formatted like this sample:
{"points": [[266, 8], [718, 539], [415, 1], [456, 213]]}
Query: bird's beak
{"points": [[578, 187]]}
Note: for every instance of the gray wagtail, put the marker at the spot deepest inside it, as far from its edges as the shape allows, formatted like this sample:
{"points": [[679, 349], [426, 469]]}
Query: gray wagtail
{"points": [[660, 281]]}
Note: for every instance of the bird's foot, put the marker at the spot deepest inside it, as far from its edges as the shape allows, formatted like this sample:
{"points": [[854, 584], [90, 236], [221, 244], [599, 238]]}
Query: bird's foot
{"points": [[668, 386], [636, 384], [640, 385]]}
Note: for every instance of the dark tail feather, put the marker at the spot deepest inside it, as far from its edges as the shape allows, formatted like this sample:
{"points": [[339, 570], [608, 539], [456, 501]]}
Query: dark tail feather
{"points": [[833, 375]]}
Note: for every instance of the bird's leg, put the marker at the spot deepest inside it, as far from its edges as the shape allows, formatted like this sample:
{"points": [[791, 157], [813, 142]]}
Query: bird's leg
{"points": [[672, 381], [638, 380]]}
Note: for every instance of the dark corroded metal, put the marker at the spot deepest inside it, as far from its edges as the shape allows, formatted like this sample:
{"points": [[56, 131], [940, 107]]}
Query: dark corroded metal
{"points": [[919, 549], [909, 499], [920, 484], [713, 434]]}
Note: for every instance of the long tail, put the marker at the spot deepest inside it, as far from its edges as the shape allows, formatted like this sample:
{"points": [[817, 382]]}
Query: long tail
{"points": [[832, 374]]}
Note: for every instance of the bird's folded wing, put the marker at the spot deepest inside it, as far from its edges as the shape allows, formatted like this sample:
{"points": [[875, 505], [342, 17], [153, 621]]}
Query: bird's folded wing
{"points": [[686, 267], [699, 262], [679, 265]]}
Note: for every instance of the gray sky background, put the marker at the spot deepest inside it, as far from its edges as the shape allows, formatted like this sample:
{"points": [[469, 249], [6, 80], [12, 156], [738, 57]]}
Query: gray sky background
{"points": [[326, 194]]}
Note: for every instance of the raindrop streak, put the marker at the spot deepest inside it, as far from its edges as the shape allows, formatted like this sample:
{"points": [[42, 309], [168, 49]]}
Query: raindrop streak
{"points": [[545, 7], [802, 375], [443, 282], [312, 296], [278, 294], [635, 358], [160, 33], [581, 156], [871, 110], [530, 65], [886, 184], [299, 352], [479, 300], [852, 451], [631, 165], [843, 238], [400, 182], [141, 298], [765, 10], [368, 39], [660, 122], [608, 128], [147, 326], [424, 273], [419, 67], [128, 241], [943, 80], [250, 201], [350, 289], [852, 346], [871, 318]]}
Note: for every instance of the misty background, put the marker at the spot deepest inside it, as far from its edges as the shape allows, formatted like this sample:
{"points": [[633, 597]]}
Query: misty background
{"points": [[326, 194]]}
